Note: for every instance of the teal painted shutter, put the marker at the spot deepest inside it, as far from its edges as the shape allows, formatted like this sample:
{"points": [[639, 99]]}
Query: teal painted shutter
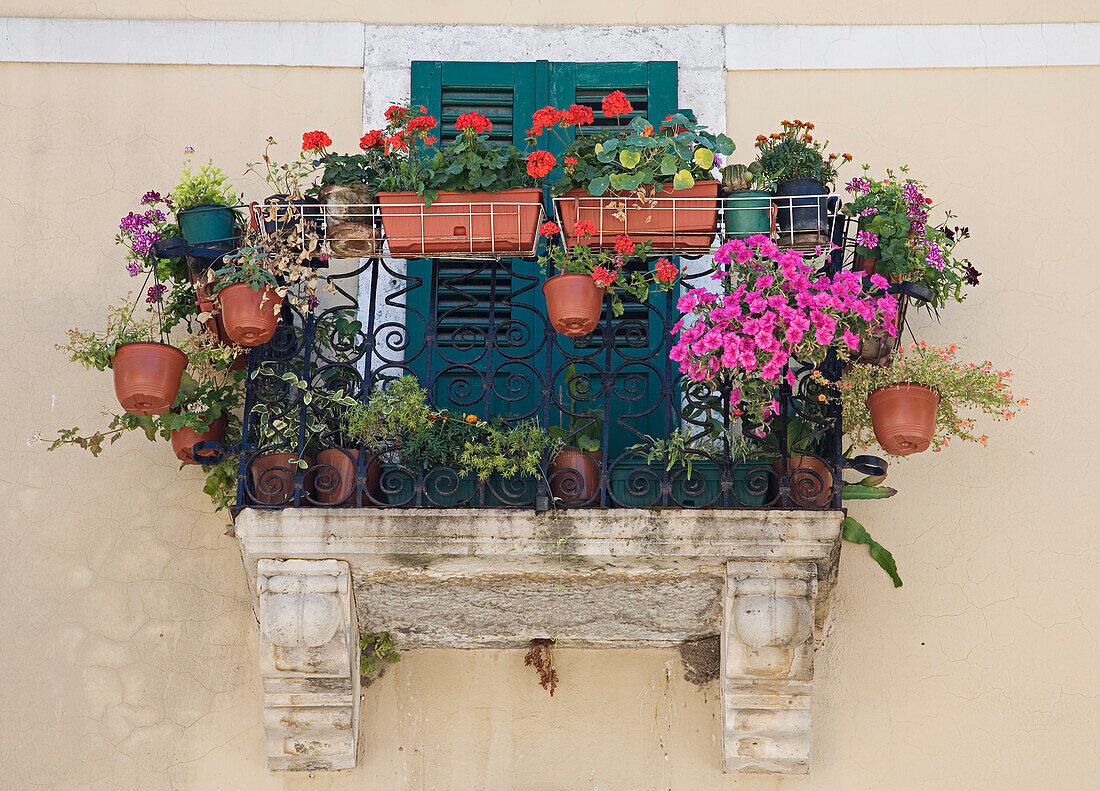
{"points": [[634, 357], [471, 298]]}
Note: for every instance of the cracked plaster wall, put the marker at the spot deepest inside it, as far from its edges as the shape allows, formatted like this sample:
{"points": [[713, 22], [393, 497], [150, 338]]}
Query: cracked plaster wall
{"points": [[130, 649]]}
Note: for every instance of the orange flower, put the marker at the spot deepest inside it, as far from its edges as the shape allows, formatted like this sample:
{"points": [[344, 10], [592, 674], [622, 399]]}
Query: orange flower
{"points": [[847, 157], [471, 418], [647, 130]]}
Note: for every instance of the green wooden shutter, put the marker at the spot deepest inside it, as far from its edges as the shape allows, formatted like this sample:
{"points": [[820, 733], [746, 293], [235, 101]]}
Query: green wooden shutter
{"points": [[508, 93]]}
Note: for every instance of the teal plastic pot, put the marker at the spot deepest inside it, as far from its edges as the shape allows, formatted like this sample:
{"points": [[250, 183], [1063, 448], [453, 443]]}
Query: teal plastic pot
{"points": [[747, 212], [634, 484], [206, 223], [397, 485]]}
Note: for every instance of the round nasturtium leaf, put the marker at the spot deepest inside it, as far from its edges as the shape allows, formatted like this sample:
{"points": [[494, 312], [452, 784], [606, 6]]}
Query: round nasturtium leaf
{"points": [[629, 159], [683, 180], [704, 157]]}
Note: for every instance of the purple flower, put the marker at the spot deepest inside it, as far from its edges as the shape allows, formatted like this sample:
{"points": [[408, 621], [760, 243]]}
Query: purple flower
{"points": [[912, 194], [188, 150], [311, 300], [155, 293], [143, 241], [134, 268], [869, 211], [867, 239], [132, 223], [935, 257], [862, 186], [718, 160], [154, 215], [151, 197]]}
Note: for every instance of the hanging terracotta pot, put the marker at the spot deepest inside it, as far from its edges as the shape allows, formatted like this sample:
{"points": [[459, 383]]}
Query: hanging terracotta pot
{"points": [[573, 303], [811, 480], [147, 376], [273, 477], [575, 476], [333, 477], [904, 417], [249, 316], [183, 439]]}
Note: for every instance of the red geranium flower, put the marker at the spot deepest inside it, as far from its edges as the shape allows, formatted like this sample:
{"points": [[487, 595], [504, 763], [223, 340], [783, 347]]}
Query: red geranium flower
{"points": [[395, 143], [549, 229], [603, 277], [315, 141], [579, 114], [624, 245], [542, 119], [370, 139], [395, 111], [421, 123], [570, 161], [475, 121], [665, 270], [616, 103], [539, 163], [429, 139], [584, 228]]}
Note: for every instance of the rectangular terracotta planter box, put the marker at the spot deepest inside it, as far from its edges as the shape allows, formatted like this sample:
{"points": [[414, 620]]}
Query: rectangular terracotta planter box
{"points": [[687, 222], [461, 222]]}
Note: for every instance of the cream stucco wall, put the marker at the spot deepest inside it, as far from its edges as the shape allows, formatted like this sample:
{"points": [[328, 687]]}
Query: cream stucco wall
{"points": [[129, 648]]}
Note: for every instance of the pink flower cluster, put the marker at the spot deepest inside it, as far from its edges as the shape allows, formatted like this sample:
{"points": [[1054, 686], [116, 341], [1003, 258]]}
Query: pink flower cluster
{"points": [[782, 310]]}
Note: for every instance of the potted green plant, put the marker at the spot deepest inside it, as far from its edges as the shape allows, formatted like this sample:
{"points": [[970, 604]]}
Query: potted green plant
{"points": [[399, 425], [147, 369], [204, 202], [895, 238], [803, 174], [920, 399], [574, 296], [651, 180], [470, 196], [747, 201]]}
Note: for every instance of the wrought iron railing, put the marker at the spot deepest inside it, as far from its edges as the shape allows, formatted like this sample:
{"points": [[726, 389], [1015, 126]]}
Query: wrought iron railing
{"points": [[475, 333]]}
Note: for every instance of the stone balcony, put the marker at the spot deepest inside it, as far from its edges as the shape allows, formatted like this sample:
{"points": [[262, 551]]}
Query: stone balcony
{"points": [[496, 578]]}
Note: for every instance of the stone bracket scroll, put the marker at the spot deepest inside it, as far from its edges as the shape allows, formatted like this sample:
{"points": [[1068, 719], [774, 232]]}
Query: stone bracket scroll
{"points": [[309, 664], [768, 639]]}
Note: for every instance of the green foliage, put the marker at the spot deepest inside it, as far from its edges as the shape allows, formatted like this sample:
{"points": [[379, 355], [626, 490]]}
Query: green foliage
{"points": [[208, 185], [399, 418], [584, 426], [856, 533], [287, 178], [683, 448], [95, 349], [642, 155], [375, 649], [795, 154]]}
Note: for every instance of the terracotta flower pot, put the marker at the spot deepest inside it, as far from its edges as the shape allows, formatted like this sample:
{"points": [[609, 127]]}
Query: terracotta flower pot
{"points": [[575, 476], [249, 316], [461, 222], [904, 417], [183, 439], [147, 376], [273, 477], [333, 477], [687, 223], [811, 481], [574, 303]]}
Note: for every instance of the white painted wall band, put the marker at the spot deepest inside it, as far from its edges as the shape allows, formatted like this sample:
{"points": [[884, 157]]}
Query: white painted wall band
{"points": [[803, 47], [740, 47]]}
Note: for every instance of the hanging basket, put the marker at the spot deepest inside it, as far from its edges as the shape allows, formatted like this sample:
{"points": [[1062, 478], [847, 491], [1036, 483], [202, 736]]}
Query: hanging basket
{"points": [[574, 303], [904, 417], [184, 439], [147, 376], [249, 315]]}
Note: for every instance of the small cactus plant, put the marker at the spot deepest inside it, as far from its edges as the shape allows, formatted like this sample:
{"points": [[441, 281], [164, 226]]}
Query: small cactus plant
{"points": [[737, 178]]}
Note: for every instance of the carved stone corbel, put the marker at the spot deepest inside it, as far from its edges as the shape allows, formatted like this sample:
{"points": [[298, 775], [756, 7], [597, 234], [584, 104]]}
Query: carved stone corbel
{"points": [[309, 663], [767, 665]]}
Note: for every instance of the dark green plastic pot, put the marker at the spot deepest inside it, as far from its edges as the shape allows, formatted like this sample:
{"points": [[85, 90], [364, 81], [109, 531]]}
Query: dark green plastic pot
{"points": [[747, 212], [801, 206], [206, 223]]}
